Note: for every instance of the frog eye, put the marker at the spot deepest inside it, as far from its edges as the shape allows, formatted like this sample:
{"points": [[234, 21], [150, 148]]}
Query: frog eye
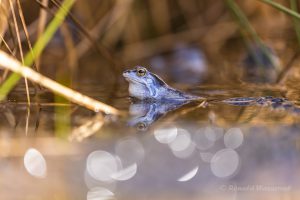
{"points": [[141, 72], [141, 126]]}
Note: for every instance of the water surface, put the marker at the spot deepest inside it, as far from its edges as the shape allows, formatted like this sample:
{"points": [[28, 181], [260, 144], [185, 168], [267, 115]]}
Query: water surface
{"points": [[190, 151]]}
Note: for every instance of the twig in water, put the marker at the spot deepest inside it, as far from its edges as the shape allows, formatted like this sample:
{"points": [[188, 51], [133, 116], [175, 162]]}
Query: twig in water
{"points": [[87, 129], [10, 63]]}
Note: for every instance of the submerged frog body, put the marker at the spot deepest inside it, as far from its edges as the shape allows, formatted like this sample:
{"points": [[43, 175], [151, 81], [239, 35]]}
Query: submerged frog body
{"points": [[144, 85], [276, 103]]}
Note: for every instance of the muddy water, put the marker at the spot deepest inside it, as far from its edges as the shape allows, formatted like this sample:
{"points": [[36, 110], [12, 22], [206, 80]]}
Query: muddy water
{"points": [[191, 151]]}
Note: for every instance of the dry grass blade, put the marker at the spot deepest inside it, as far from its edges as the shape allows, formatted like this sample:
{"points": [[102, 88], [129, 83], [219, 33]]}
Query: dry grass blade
{"points": [[161, 15], [71, 54], [4, 7], [117, 23], [20, 44], [10, 63], [85, 44], [6, 45], [101, 49], [41, 27], [24, 27]]}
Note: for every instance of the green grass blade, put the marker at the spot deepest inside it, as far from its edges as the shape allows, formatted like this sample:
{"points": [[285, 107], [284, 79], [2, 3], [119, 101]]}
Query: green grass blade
{"points": [[294, 7], [62, 118], [251, 36], [242, 20], [39, 46], [282, 8]]}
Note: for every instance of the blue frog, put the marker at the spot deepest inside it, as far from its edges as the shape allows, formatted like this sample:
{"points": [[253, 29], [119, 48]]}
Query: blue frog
{"points": [[147, 86]]}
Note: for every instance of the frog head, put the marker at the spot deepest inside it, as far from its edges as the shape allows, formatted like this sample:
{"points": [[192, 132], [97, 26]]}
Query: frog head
{"points": [[143, 84]]}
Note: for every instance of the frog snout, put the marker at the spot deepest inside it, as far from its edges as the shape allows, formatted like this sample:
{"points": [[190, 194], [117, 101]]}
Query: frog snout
{"points": [[125, 72]]}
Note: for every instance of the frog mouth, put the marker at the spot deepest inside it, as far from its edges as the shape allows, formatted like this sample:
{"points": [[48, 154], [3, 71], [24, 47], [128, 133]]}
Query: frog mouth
{"points": [[131, 79]]}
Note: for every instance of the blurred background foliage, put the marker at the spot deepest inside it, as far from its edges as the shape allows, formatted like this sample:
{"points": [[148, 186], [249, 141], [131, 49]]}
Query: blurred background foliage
{"points": [[100, 38]]}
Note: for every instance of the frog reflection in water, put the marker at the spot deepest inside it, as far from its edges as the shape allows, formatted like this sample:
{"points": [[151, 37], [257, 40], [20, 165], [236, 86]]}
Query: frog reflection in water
{"points": [[145, 113]]}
